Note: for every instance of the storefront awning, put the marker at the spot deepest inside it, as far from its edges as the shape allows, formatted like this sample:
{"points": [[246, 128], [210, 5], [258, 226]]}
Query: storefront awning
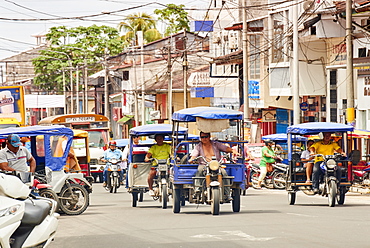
{"points": [[125, 119]]}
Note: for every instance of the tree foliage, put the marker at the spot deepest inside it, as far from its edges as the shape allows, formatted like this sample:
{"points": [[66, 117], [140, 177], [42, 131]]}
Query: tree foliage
{"points": [[139, 22], [71, 48], [175, 17]]}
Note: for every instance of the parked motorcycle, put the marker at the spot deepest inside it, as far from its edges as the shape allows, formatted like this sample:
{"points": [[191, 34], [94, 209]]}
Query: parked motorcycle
{"points": [[361, 178], [42, 188], [72, 190], [279, 175], [25, 220], [113, 176], [255, 174], [161, 182]]}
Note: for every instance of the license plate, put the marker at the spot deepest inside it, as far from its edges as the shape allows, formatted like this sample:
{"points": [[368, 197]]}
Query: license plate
{"points": [[162, 167]]}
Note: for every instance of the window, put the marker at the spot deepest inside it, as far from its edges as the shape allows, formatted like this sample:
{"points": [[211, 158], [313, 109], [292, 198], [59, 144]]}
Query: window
{"points": [[362, 52], [255, 56]]}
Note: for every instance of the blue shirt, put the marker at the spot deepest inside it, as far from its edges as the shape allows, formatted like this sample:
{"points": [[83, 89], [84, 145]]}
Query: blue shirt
{"points": [[108, 154]]}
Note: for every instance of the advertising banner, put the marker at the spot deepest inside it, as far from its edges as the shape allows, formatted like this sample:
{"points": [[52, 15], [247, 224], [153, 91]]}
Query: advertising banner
{"points": [[12, 103]]}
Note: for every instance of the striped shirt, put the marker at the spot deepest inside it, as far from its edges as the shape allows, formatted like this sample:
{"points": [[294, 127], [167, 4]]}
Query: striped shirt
{"points": [[17, 161]]}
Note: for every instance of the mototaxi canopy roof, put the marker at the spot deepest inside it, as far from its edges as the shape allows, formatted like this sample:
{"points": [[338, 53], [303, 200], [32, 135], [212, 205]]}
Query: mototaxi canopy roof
{"points": [[36, 130], [317, 127], [283, 137], [190, 114], [152, 129]]}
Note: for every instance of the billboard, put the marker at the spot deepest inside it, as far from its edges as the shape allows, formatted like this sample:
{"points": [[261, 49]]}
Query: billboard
{"points": [[12, 103]]}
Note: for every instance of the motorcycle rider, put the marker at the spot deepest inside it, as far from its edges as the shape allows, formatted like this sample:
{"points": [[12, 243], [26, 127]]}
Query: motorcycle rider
{"points": [[268, 156], [15, 156], [160, 150], [324, 147], [208, 148], [111, 152]]}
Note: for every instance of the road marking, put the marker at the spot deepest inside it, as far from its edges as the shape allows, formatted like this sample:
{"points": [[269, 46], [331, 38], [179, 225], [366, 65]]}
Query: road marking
{"points": [[304, 215], [232, 235]]}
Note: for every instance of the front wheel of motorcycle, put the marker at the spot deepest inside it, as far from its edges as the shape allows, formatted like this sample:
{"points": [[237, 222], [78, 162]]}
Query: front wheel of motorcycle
{"points": [[254, 179], [291, 197], [278, 180], [164, 196], [74, 199], [114, 185], [49, 193], [332, 196], [215, 205]]}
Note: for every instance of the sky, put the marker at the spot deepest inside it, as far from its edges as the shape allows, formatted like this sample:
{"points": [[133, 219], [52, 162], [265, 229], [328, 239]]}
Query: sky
{"points": [[20, 19]]}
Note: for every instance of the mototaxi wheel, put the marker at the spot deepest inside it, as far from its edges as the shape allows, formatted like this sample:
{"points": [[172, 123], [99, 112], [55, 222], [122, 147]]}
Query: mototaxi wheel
{"points": [[341, 196], [49, 193], [74, 199], [164, 196], [141, 196], [236, 200], [332, 193], [176, 206], [134, 198], [278, 180], [291, 198], [215, 201]]}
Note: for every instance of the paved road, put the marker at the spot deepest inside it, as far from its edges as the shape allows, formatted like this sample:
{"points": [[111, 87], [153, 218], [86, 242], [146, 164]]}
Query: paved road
{"points": [[265, 220]]}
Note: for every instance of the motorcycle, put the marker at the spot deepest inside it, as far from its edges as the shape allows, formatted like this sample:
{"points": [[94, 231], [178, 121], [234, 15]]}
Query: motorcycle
{"points": [[212, 188], [361, 178], [275, 179], [113, 176], [161, 181], [41, 187], [72, 190], [25, 220]]}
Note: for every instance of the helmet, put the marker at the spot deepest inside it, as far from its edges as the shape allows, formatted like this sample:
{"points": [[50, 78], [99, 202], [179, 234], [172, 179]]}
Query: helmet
{"points": [[268, 141], [112, 143]]}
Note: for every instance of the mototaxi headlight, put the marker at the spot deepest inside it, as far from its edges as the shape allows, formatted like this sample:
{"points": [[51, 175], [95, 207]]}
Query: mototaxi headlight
{"points": [[9, 210], [214, 165], [331, 163]]}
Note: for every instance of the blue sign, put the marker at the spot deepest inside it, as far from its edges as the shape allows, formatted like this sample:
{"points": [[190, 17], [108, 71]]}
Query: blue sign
{"points": [[254, 89], [304, 106]]}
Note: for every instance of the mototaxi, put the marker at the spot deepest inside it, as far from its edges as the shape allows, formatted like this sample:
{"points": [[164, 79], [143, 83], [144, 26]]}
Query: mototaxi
{"points": [[138, 170], [50, 146], [211, 120], [330, 186]]}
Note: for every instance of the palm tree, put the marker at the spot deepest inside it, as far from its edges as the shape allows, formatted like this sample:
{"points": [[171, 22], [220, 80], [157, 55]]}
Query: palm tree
{"points": [[139, 22]]}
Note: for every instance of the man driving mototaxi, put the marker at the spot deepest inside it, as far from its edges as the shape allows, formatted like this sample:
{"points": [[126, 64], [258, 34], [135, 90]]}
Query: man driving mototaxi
{"points": [[324, 147], [160, 150], [208, 148]]}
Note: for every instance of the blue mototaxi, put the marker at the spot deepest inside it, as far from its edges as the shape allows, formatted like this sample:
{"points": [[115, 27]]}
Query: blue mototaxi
{"points": [[296, 174], [43, 150], [183, 173], [138, 170]]}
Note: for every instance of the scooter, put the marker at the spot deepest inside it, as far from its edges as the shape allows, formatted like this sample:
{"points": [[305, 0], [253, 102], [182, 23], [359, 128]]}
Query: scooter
{"points": [[113, 176], [25, 220], [279, 175], [255, 174]]}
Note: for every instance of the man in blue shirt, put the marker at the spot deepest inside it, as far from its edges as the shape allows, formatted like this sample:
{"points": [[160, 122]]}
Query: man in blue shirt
{"points": [[111, 152]]}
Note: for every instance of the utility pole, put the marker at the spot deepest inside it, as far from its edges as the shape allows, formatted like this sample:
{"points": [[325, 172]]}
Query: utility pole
{"points": [[185, 71], [64, 91], [141, 43], [169, 72], [135, 90], [77, 92], [245, 64], [349, 72], [71, 83], [295, 74], [106, 92], [86, 105]]}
